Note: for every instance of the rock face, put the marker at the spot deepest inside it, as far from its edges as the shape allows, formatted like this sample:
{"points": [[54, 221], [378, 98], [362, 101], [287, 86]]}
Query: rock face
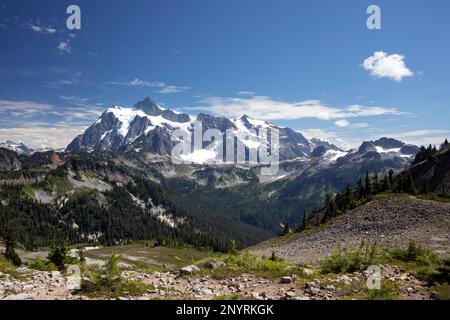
{"points": [[390, 221], [9, 160]]}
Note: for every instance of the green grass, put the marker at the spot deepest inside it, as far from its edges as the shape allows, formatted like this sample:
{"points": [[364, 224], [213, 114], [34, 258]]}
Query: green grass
{"points": [[234, 296], [107, 281], [388, 291], [7, 267], [144, 257], [434, 197], [414, 253], [61, 185], [239, 264], [343, 260], [121, 289], [441, 291], [28, 191]]}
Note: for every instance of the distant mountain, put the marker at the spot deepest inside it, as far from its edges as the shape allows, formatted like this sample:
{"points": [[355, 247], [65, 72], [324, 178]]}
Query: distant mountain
{"points": [[20, 148], [384, 149], [147, 128]]}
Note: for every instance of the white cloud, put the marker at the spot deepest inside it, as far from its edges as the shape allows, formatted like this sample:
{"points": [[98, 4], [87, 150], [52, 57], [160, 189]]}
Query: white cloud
{"points": [[342, 123], [64, 47], [266, 108], [43, 29], [332, 137], [319, 134], [163, 87], [383, 65], [22, 112], [40, 125], [172, 89], [246, 93], [418, 133], [42, 137], [23, 108]]}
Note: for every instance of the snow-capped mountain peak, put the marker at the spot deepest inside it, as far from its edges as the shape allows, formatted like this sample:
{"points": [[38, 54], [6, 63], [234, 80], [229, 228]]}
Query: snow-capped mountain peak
{"points": [[18, 147], [147, 128]]}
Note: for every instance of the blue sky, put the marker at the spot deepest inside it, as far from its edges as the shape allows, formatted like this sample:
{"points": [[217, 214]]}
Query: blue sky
{"points": [[311, 65]]}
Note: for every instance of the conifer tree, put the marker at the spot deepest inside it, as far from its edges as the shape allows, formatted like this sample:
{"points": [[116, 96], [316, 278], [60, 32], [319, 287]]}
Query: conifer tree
{"points": [[286, 229], [10, 242], [349, 201], [376, 182], [426, 187], [391, 177], [385, 186], [304, 220], [368, 186], [361, 190]]}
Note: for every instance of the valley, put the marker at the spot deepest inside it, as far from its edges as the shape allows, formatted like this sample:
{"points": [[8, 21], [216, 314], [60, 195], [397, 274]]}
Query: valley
{"points": [[139, 226]]}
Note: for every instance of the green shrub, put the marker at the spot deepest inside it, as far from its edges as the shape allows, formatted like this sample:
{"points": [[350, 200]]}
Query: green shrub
{"points": [[414, 253], [388, 291], [42, 265], [248, 263], [58, 254], [343, 260], [274, 257], [337, 262], [234, 296], [434, 274], [107, 281], [441, 291]]}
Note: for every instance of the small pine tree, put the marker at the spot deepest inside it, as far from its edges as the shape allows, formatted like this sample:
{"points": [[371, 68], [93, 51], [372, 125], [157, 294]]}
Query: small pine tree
{"points": [[233, 248], [368, 185], [361, 190], [286, 229], [349, 201], [426, 187], [391, 177], [303, 225], [331, 211], [304, 222], [273, 256], [385, 186], [376, 182], [10, 242], [327, 198], [82, 259], [58, 254], [112, 269]]}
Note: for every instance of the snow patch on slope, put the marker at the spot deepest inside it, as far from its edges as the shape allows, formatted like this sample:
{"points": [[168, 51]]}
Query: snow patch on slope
{"points": [[382, 150], [333, 155]]}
